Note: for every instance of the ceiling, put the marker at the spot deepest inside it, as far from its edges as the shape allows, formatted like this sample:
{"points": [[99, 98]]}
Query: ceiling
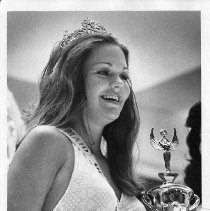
{"points": [[162, 44]]}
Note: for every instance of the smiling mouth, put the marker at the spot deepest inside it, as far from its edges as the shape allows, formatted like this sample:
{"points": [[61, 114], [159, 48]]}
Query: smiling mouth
{"points": [[111, 98]]}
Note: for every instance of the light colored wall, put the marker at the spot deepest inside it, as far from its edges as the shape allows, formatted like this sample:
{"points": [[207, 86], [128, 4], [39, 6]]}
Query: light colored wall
{"points": [[166, 106], [151, 160]]}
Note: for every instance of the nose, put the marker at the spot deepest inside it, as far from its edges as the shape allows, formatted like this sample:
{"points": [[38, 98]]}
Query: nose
{"points": [[117, 83]]}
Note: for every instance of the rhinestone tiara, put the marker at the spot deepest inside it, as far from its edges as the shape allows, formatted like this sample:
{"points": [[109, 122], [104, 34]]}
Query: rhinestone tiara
{"points": [[88, 27]]}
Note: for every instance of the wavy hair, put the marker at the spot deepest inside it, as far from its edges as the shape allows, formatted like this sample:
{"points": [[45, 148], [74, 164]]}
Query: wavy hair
{"points": [[62, 98]]}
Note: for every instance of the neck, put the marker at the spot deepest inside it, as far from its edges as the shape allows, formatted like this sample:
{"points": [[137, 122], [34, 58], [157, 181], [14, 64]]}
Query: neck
{"points": [[91, 134]]}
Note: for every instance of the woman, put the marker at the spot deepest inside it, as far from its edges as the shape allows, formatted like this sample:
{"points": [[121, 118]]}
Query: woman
{"points": [[86, 100]]}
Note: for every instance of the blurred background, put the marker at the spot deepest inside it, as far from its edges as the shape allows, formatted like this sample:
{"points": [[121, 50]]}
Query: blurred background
{"points": [[165, 68]]}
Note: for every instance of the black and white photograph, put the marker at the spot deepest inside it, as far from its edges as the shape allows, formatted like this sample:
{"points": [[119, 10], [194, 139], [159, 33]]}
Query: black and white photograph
{"points": [[105, 110]]}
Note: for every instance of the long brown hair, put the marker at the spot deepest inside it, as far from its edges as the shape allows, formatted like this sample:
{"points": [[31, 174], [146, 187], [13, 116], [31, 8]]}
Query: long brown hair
{"points": [[62, 98]]}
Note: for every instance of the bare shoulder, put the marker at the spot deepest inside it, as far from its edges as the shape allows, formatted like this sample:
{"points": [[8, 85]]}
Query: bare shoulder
{"points": [[48, 141], [48, 134], [39, 158]]}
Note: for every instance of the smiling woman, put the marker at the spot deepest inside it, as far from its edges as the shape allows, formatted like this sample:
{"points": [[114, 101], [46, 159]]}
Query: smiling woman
{"points": [[106, 83], [86, 99]]}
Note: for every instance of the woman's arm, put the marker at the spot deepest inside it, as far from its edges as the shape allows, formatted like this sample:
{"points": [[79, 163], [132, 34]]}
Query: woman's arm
{"points": [[34, 167]]}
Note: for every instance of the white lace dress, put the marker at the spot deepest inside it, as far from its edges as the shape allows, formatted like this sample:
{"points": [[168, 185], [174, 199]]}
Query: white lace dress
{"points": [[88, 189]]}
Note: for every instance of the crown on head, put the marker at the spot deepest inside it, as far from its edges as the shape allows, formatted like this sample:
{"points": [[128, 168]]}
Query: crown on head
{"points": [[88, 27]]}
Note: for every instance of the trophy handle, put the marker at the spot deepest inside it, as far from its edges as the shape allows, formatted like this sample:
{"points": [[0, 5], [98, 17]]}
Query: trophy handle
{"points": [[196, 203], [148, 200]]}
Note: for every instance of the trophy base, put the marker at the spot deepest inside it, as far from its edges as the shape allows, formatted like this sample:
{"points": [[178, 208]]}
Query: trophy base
{"points": [[168, 177], [171, 197]]}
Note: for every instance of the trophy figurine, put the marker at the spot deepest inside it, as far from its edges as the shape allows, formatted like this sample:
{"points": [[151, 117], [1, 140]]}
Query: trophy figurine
{"points": [[169, 196]]}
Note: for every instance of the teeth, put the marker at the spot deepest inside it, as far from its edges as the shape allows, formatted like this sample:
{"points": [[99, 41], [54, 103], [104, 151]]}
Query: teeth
{"points": [[114, 97]]}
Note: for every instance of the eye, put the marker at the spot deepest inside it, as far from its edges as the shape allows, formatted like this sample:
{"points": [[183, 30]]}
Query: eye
{"points": [[103, 72], [124, 76]]}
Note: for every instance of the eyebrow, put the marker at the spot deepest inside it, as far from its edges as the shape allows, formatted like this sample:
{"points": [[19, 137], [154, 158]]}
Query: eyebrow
{"points": [[109, 64]]}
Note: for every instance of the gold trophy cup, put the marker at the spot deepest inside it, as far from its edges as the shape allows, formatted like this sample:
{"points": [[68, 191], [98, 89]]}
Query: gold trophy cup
{"points": [[169, 196]]}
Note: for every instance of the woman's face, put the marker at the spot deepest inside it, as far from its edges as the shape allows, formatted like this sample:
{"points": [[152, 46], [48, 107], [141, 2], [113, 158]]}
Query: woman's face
{"points": [[106, 86]]}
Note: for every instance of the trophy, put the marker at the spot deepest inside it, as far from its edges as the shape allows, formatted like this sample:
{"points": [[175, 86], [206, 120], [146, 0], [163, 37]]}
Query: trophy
{"points": [[169, 196]]}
